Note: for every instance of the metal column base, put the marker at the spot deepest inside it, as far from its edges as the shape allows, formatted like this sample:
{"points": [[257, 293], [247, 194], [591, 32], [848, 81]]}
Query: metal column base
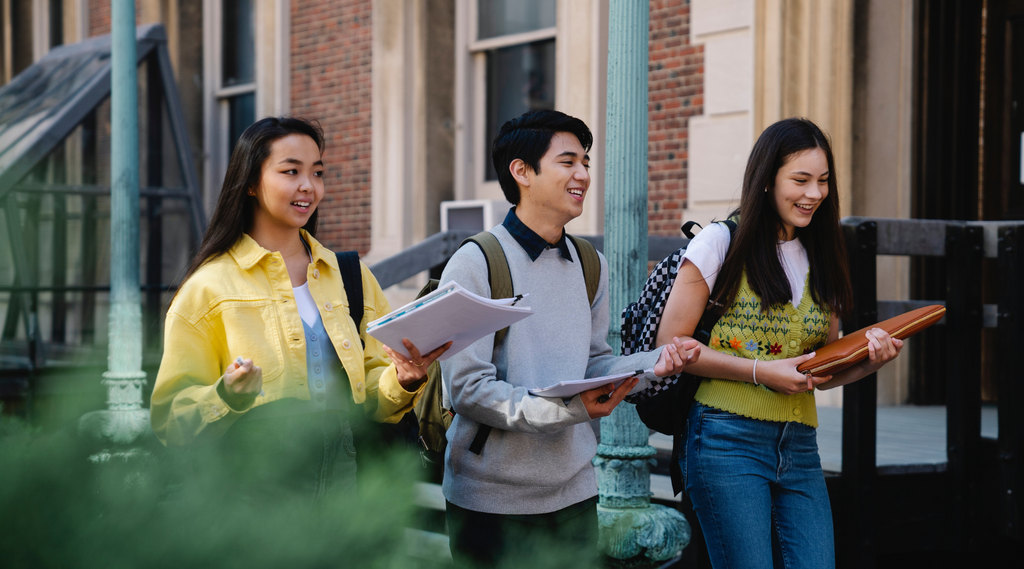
{"points": [[656, 532]]}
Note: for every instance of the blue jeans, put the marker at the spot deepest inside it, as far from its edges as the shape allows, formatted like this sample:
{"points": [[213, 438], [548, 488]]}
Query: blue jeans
{"points": [[758, 491]]}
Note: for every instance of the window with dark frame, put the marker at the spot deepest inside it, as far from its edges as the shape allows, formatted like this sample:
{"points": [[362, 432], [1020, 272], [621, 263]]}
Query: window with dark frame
{"points": [[520, 77], [238, 66]]}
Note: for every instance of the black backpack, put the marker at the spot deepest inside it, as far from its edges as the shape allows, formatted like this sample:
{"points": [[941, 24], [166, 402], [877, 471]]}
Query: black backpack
{"points": [[373, 440], [665, 405]]}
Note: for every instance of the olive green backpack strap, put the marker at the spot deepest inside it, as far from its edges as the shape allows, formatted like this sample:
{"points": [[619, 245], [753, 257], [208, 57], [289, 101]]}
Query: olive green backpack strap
{"points": [[499, 277], [591, 264], [431, 414]]}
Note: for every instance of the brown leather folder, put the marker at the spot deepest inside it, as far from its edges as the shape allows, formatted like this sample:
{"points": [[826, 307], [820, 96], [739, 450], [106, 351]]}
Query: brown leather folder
{"points": [[853, 348]]}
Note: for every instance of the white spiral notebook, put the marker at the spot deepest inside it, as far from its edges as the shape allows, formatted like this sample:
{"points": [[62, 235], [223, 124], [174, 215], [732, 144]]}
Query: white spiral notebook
{"points": [[450, 313]]}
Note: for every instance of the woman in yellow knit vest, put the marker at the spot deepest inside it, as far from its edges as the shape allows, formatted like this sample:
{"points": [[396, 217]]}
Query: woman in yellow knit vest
{"points": [[751, 464]]}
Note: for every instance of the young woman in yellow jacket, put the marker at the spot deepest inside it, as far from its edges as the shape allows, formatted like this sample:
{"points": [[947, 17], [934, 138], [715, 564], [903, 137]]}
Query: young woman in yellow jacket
{"points": [[260, 354]]}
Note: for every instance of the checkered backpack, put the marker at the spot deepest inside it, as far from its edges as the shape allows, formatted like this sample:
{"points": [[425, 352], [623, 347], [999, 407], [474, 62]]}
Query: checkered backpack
{"points": [[665, 405], [640, 321]]}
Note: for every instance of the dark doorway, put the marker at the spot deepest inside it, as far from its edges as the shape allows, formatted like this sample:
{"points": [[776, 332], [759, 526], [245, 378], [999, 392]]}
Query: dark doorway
{"points": [[1002, 174], [948, 57]]}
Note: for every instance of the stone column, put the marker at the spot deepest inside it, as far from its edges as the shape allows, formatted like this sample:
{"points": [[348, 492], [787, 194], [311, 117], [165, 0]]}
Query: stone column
{"points": [[630, 525], [125, 420]]}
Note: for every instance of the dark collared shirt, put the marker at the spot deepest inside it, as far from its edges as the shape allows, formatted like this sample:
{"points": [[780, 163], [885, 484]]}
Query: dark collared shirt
{"points": [[529, 240]]}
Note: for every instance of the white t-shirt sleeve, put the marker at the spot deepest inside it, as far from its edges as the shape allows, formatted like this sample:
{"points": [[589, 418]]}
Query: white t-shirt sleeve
{"points": [[707, 251]]}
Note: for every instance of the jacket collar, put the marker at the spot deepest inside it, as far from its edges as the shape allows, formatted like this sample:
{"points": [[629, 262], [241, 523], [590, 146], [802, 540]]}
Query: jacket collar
{"points": [[247, 252]]}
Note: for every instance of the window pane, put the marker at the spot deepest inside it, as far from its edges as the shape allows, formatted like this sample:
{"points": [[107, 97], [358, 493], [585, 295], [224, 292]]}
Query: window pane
{"points": [[504, 17], [241, 114], [519, 78], [56, 23], [238, 62]]}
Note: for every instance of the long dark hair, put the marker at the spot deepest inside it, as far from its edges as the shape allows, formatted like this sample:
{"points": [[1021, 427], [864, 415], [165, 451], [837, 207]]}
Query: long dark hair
{"points": [[233, 215], [755, 243]]}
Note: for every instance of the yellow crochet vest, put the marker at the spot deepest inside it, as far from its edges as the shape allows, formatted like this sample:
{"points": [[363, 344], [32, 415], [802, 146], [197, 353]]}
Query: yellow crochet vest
{"points": [[781, 332]]}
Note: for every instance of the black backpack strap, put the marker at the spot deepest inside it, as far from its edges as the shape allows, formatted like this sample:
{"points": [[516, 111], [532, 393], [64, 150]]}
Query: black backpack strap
{"points": [[352, 279], [709, 319], [591, 264], [687, 228]]}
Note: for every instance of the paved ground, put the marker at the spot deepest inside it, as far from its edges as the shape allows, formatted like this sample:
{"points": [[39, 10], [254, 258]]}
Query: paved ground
{"points": [[907, 436]]}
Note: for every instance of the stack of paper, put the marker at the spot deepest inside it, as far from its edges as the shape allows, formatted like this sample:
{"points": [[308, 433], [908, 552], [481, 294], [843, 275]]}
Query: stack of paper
{"points": [[572, 387], [450, 313]]}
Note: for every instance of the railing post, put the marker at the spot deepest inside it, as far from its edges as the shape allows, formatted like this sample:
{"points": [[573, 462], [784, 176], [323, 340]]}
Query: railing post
{"points": [[964, 254], [855, 543], [1011, 393], [630, 526]]}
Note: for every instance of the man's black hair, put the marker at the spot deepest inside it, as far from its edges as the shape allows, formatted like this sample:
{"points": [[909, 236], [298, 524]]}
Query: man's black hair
{"points": [[528, 138]]}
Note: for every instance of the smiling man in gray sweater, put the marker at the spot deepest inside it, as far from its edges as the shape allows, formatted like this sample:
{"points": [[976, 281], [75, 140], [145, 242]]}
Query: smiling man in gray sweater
{"points": [[532, 480]]}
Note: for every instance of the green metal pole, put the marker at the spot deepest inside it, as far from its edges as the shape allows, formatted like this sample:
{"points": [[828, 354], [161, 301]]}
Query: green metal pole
{"points": [[125, 419], [630, 525]]}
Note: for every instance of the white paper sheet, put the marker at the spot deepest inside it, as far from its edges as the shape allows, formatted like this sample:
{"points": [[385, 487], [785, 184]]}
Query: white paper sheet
{"points": [[574, 386], [450, 313]]}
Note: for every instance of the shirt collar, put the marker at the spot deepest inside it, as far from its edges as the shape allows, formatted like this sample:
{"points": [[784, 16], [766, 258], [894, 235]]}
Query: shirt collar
{"points": [[529, 240], [247, 252]]}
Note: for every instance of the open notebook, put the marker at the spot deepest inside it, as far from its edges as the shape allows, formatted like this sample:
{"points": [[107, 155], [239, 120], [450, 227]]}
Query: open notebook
{"points": [[450, 313]]}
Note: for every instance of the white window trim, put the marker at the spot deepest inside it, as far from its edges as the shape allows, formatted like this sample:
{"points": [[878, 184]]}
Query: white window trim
{"points": [[234, 90], [471, 152], [271, 84], [513, 39], [40, 29]]}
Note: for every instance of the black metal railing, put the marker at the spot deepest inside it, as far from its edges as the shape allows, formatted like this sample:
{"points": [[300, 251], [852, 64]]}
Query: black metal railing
{"points": [[966, 505]]}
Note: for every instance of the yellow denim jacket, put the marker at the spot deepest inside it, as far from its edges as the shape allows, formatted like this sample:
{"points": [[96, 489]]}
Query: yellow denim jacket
{"points": [[241, 304]]}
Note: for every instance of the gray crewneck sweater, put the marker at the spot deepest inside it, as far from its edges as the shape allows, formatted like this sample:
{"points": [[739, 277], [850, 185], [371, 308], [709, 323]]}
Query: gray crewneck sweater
{"points": [[537, 457]]}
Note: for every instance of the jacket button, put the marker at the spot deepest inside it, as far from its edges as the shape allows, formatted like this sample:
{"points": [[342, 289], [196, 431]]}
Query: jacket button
{"points": [[792, 343], [320, 398], [359, 386], [795, 319], [328, 307], [216, 410], [316, 273], [346, 344]]}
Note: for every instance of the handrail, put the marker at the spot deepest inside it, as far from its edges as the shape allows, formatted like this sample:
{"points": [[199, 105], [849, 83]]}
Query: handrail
{"points": [[964, 245], [439, 247], [926, 237], [427, 254]]}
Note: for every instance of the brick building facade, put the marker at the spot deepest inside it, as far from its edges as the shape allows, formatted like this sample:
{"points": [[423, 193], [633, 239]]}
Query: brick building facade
{"points": [[331, 62], [676, 93], [329, 76]]}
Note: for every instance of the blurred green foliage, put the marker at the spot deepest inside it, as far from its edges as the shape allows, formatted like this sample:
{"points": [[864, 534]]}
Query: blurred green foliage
{"points": [[60, 509]]}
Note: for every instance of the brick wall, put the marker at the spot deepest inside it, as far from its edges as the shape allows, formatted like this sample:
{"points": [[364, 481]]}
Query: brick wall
{"points": [[676, 93], [99, 17], [98, 14], [330, 61]]}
